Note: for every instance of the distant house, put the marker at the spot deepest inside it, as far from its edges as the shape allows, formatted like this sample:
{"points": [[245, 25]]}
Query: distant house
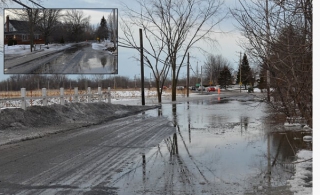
{"points": [[19, 31]]}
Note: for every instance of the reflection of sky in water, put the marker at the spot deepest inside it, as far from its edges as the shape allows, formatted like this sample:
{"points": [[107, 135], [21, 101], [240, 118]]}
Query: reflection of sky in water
{"points": [[222, 151], [75, 61], [102, 64]]}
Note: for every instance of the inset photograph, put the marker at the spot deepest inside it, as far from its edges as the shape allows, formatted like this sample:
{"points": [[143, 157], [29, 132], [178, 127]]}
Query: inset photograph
{"points": [[61, 41]]}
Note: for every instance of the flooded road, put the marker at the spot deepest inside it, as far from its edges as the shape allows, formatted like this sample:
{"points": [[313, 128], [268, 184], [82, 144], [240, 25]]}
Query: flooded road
{"points": [[80, 59], [220, 147]]}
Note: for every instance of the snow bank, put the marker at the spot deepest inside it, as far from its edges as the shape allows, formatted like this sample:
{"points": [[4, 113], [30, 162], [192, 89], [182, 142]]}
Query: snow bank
{"points": [[301, 182], [103, 45], [98, 46], [115, 96], [25, 49]]}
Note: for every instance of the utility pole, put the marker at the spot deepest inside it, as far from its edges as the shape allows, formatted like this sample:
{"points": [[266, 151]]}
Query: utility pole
{"points": [[150, 82], [268, 49], [201, 87], [188, 67], [142, 68], [240, 83], [114, 28], [197, 73]]}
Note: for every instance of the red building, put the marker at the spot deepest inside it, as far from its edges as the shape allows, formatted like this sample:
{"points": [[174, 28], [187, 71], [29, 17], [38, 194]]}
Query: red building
{"points": [[19, 31]]}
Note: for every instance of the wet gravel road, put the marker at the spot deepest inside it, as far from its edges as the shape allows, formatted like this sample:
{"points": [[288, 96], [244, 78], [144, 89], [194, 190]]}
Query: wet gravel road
{"points": [[80, 58], [80, 161], [219, 144]]}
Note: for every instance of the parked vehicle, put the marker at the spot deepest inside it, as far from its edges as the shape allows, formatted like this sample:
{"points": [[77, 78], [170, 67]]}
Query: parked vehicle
{"points": [[192, 88], [180, 87], [201, 88], [210, 88]]}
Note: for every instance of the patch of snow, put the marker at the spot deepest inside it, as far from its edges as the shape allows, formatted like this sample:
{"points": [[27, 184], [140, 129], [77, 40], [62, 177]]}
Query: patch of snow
{"points": [[307, 138], [98, 46], [115, 96], [103, 45], [25, 49], [301, 181], [286, 124]]}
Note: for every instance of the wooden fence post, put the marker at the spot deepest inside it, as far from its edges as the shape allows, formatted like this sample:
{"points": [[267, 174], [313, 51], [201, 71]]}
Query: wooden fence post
{"points": [[61, 96], [109, 95], [23, 98], [44, 97], [89, 94], [99, 94], [76, 98]]}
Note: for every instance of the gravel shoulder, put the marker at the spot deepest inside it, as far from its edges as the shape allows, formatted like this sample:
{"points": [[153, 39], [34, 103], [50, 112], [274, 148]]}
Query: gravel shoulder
{"points": [[38, 121]]}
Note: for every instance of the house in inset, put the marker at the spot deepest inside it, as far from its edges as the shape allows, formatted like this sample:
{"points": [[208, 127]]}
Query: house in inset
{"points": [[19, 31]]}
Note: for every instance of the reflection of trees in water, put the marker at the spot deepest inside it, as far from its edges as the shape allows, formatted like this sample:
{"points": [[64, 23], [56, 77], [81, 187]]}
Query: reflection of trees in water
{"points": [[174, 168], [103, 61], [244, 120], [176, 173], [276, 166]]}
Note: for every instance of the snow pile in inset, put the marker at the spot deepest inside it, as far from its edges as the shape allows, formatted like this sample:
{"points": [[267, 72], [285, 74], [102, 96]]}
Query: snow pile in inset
{"points": [[301, 182], [25, 49], [102, 45]]}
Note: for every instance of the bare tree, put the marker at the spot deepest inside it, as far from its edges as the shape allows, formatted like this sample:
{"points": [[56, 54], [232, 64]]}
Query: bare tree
{"points": [[48, 21], [152, 57], [113, 27], [279, 35], [213, 66], [179, 24], [32, 16], [98, 79], [33, 19], [76, 23]]}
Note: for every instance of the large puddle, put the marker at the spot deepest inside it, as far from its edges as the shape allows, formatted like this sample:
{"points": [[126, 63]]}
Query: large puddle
{"points": [[220, 147], [81, 59]]}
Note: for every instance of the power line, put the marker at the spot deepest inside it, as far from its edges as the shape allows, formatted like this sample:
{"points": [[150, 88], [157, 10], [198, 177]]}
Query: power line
{"points": [[21, 4], [37, 4], [28, 6]]}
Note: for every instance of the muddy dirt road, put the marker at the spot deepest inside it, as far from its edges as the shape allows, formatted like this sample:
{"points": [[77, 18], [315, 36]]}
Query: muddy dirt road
{"points": [[79, 161]]}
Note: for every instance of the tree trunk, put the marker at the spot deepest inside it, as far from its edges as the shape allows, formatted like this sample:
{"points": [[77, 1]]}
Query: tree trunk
{"points": [[159, 91], [174, 85]]}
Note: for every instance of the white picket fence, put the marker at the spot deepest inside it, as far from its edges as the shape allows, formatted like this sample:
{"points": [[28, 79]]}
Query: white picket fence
{"points": [[89, 96]]}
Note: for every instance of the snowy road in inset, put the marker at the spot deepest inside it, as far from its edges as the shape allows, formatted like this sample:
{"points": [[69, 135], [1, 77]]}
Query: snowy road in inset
{"points": [[80, 58]]}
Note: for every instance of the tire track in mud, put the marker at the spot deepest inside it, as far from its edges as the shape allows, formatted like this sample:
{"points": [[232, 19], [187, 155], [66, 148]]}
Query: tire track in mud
{"points": [[88, 158]]}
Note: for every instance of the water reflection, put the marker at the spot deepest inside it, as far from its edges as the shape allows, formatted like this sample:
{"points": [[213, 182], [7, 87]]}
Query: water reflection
{"points": [[244, 120], [103, 61], [80, 59], [219, 149]]}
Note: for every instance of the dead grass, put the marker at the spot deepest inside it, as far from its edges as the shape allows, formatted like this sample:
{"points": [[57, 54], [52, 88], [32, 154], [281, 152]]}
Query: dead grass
{"points": [[56, 92]]}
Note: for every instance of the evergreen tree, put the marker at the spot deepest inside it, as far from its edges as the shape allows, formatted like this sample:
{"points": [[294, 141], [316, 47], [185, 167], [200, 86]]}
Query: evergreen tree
{"points": [[102, 31], [103, 22], [246, 74], [225, 78]]}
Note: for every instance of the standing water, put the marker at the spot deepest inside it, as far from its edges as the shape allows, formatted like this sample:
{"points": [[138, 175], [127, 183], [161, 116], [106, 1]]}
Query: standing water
{"points": [[220, 147]]}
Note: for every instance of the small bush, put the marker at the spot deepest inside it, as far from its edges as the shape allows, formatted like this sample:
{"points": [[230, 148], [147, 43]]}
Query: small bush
{"points": [[62, 40], [12, 42]]}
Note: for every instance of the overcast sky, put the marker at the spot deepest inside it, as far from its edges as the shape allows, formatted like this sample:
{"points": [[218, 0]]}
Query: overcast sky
{"points": [[227, 45], [95, 14]]}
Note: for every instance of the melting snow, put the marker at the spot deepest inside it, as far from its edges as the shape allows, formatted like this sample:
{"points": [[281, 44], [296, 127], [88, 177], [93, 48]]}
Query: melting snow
{"points": [[301, 182]]}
